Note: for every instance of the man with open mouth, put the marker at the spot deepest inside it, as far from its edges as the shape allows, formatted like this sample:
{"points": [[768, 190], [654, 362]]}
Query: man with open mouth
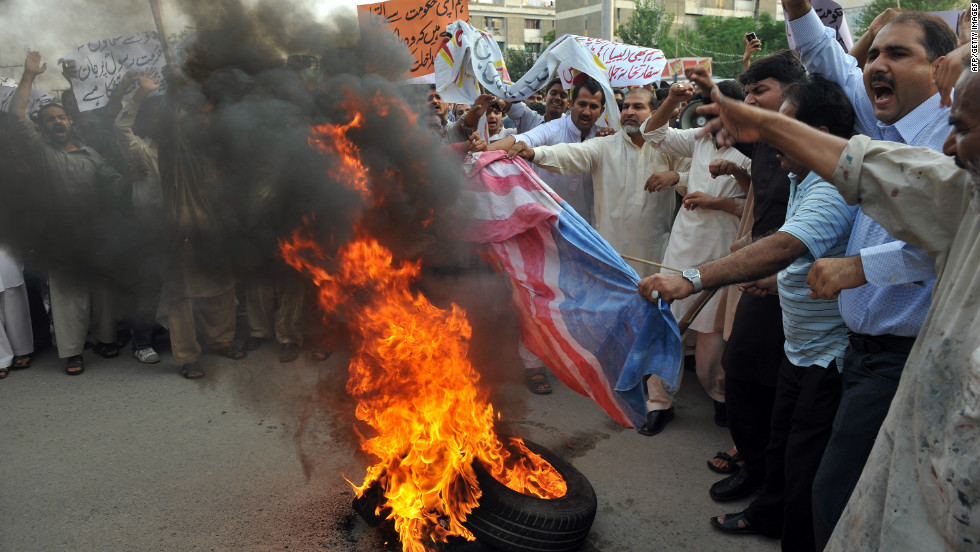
{"points": [[885, 285], [80, 180]]}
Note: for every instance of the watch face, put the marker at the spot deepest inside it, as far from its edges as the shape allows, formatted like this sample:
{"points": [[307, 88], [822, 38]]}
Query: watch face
{"points": [[691, 273]]}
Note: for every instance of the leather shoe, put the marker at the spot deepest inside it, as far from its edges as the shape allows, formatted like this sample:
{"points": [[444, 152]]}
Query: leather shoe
{"points": [[657, 420], [735, 486]]}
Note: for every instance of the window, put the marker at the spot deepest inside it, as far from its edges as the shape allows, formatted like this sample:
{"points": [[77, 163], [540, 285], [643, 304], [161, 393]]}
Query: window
{"points": [[494, 24], [532, 24]]}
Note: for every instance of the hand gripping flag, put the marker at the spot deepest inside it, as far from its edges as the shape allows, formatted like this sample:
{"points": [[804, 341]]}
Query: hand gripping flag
{"points": [[575, 296]]}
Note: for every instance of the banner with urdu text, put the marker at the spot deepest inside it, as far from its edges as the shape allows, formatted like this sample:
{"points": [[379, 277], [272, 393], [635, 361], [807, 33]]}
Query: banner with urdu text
{"points": [[420, 24], [469, 59], [95, 69]]}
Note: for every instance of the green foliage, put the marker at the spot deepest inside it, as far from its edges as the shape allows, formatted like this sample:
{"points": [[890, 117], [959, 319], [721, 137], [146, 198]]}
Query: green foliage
{"points": [[723, 39], [649, 26], [873, 8], [546, 39], [518, 62]]}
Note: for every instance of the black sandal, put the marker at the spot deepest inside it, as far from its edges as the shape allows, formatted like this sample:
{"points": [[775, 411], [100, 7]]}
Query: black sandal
{"points": [[75, 365], [4, 372], [732, 460], [731, 524], [230, 351], [22, 362], [191, 370], [106, 350]]}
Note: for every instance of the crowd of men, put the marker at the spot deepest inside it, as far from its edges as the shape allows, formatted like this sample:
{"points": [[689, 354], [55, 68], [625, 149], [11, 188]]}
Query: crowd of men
{"points": [[846, 260], [90, 162], [803, 364]]}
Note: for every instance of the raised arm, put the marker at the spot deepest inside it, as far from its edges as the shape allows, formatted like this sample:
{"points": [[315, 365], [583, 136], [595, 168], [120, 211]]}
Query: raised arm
{"points": [[740, 122], [128, 142], [751, 47], [679, 92], [32, 68], [796, 9], [860, 49]]}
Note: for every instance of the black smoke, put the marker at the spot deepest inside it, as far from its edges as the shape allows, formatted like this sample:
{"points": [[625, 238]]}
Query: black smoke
{"points": [[254, 110]]}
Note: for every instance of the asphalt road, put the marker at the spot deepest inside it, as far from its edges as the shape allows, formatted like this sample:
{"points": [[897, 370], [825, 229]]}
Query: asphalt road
{"points": [[131, 457]]}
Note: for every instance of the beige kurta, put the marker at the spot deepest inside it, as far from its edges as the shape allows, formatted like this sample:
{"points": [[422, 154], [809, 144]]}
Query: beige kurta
{"points": [[700, 235], [920, 489], [635, 222]]}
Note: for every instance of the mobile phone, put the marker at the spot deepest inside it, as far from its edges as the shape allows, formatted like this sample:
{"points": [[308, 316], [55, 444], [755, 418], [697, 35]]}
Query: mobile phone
{"points": [[750, 36]]}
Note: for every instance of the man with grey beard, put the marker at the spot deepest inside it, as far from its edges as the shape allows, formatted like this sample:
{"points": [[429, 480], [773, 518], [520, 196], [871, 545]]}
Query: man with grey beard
{"points": [[633, 221], [918, 488]]}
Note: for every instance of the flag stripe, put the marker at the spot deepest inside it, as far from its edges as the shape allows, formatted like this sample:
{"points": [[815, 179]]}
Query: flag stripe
{"points": [[576, 298]]}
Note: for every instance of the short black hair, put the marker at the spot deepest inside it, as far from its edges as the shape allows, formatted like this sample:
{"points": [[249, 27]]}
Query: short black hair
{"points": [[822, 102], [652, 100], [552, 82], [591, 85], [662, 94], [732, 89], [938, 38], [784, 66], [537, 107]]}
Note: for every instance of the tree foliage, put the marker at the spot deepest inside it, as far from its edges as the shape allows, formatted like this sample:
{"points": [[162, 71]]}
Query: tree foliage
{"points": [[518, 62], [546, 39], [649, 26], [873, 8], [723, 39]]}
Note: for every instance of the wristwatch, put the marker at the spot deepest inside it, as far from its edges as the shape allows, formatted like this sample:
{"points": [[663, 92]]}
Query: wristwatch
{"points": [[694, 276]]}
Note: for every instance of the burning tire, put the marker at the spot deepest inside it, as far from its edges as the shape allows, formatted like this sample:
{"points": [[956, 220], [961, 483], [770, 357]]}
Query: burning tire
{"points": [[514, 522]]}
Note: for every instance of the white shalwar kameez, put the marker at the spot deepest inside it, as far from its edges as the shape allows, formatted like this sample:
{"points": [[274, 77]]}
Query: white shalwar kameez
{"points": [[15, 314], [635, 222]]}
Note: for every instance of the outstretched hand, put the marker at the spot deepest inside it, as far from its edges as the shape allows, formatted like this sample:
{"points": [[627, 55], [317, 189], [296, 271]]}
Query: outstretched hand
{"points": [[33, 65]]}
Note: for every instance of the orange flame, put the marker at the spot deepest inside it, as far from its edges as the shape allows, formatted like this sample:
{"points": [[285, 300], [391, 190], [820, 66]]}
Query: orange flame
{"points": [[411, 378]]}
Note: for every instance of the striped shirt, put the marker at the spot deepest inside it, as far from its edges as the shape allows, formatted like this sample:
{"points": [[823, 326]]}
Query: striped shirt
{"points": [[818, 217]]}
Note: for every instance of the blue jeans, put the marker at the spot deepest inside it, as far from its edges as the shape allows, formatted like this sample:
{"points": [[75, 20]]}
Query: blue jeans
{"points": [[869, 381]]}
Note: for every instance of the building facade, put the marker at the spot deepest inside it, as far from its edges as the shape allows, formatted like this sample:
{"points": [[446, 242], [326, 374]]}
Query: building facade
{"points": [[519, 24]]}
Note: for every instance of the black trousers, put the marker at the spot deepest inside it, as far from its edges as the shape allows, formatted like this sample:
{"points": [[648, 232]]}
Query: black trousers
{"points": [[751, 360], [802, 417], [869, 383]]}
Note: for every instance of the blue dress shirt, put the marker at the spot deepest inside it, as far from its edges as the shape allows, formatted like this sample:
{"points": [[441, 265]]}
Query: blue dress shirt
{"points": [[900, 277]]}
